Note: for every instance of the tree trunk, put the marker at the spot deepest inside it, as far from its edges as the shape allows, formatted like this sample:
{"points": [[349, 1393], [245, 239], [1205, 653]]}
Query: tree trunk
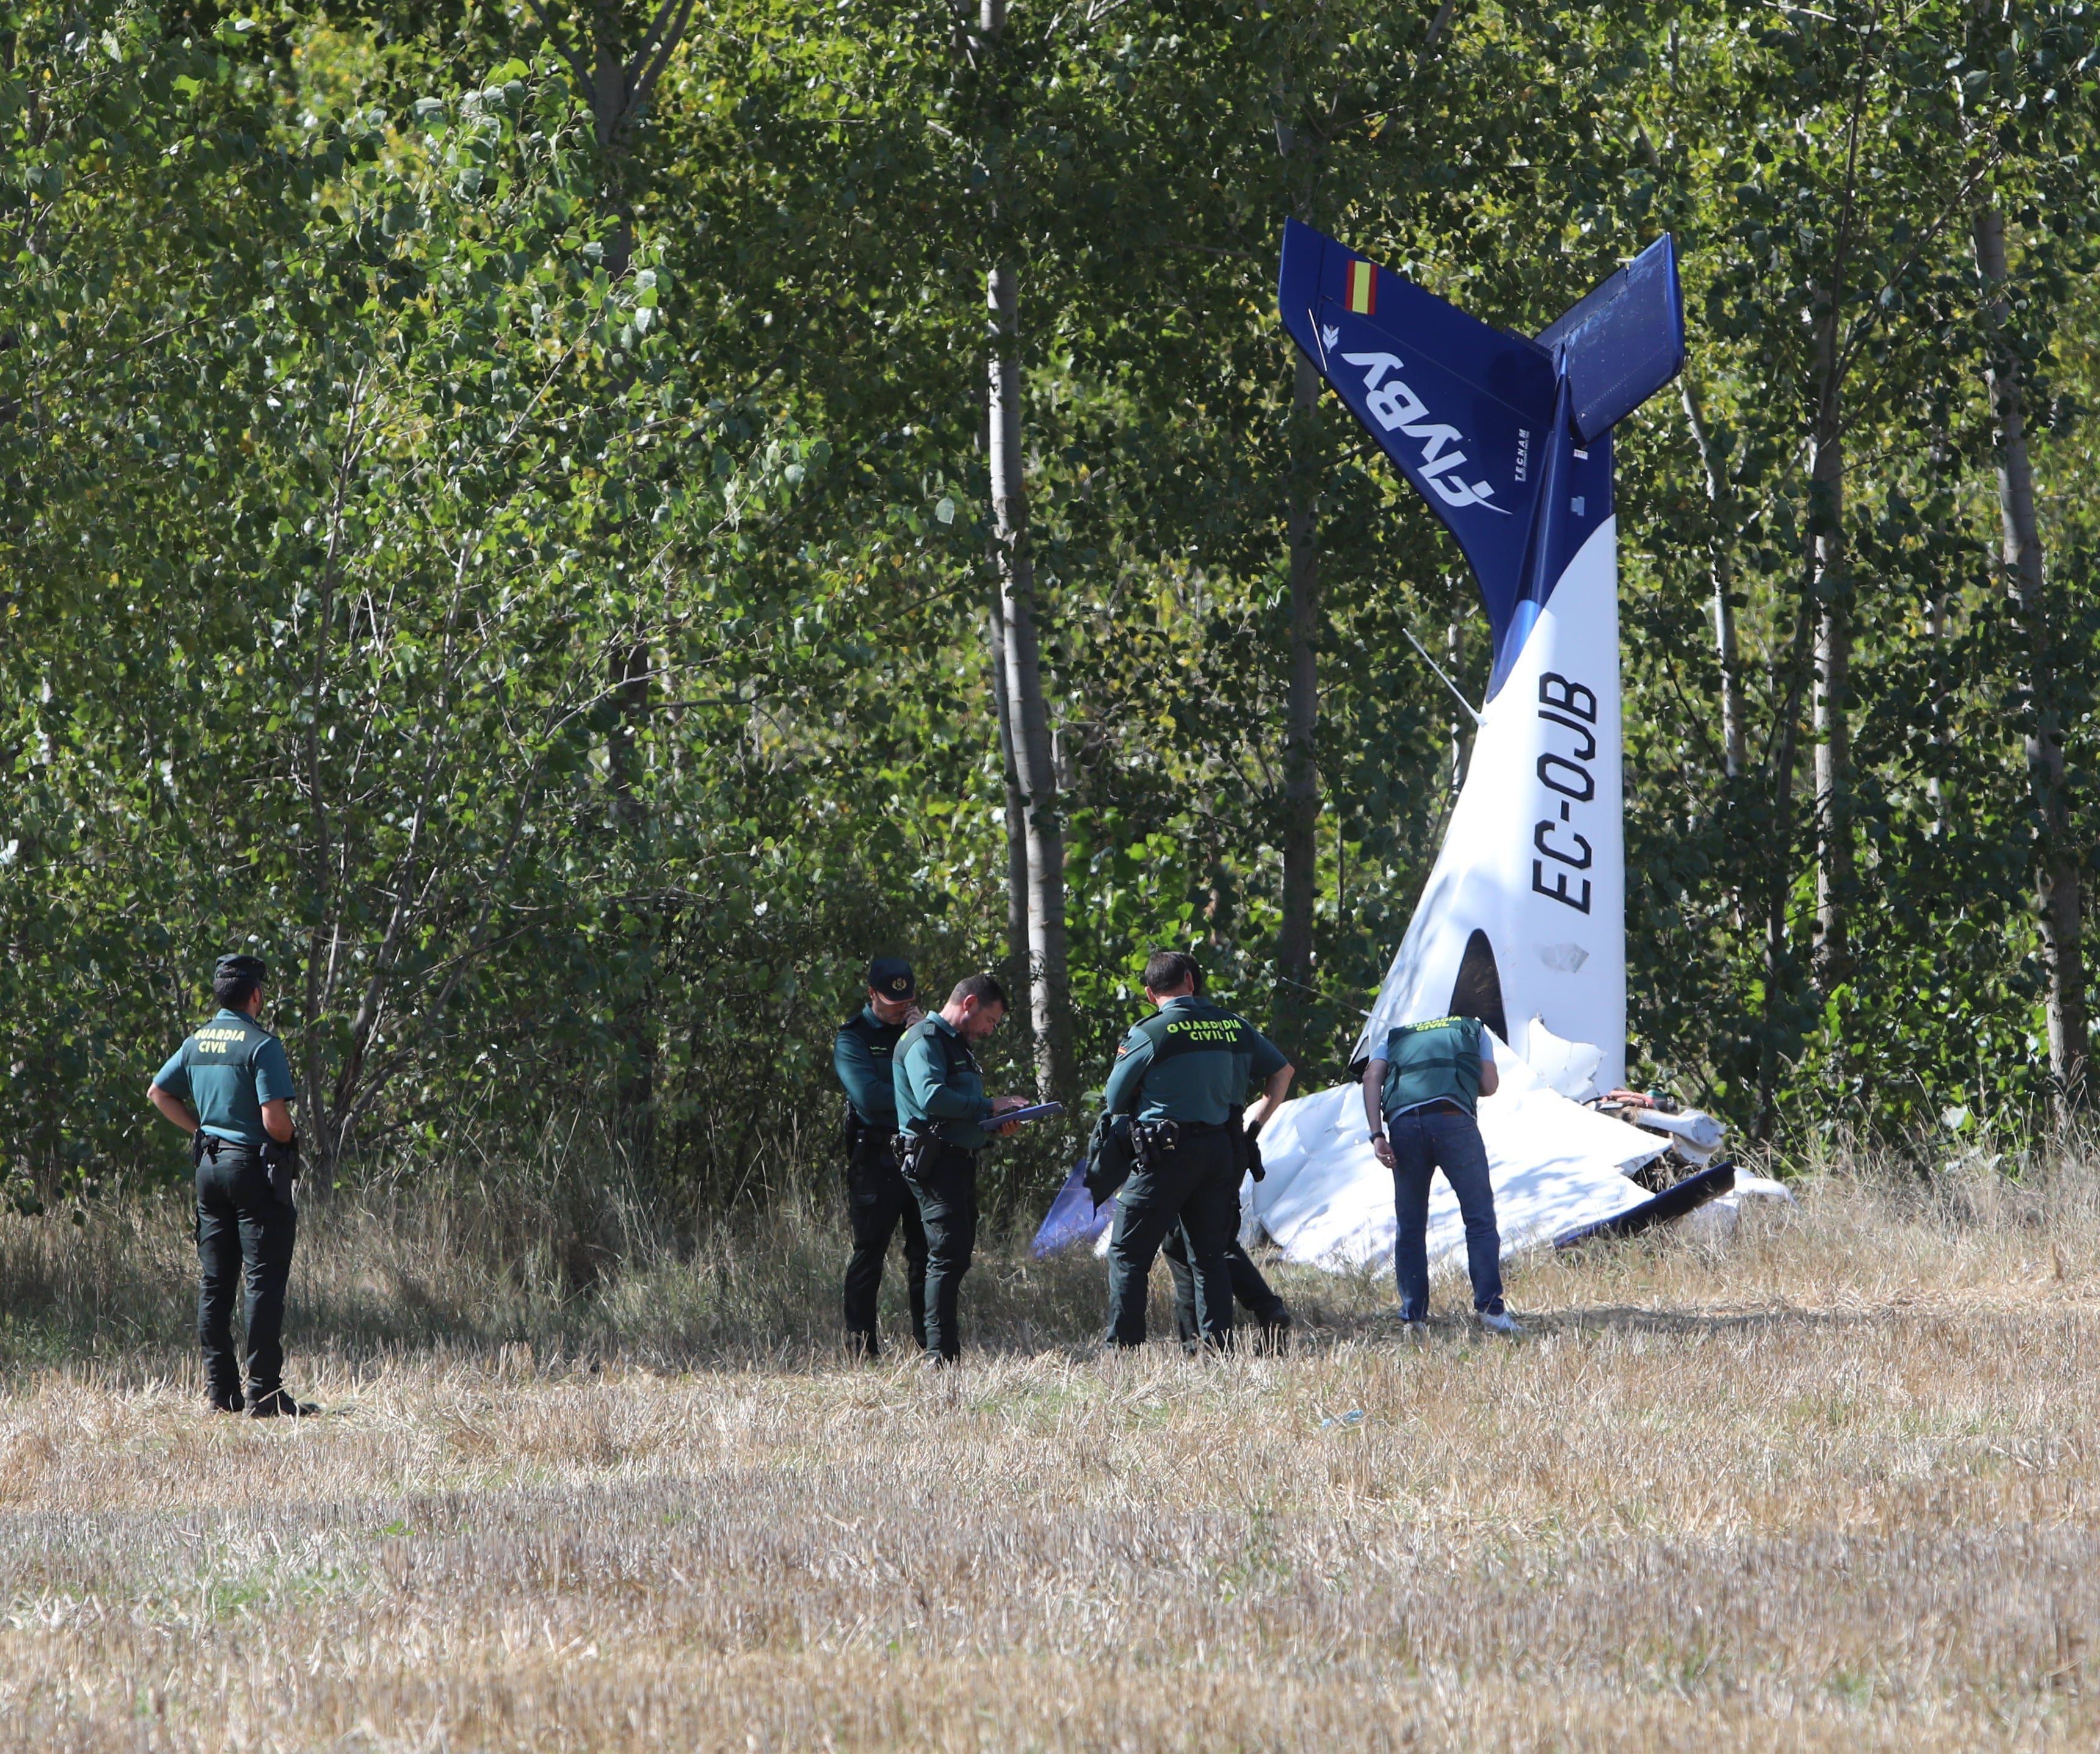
{"points": [[1015, 970], [1779, 946], [1733, 748], [1936, 787], [1943, 466], [2055, 855], [617, 65], [322, 1123], [1028, 716], [1302, 146], [1301, 773], [1018, 957], [627, 664], [1834, 664], [634, 1086]]}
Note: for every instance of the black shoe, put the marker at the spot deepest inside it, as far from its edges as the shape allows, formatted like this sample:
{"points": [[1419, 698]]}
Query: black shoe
{"points": [[224, 1403], [278, 1400], [861, 1348]]}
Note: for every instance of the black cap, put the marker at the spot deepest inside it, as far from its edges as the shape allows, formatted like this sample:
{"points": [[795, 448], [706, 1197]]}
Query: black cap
{"points": [[241, 967], [891, 976]]}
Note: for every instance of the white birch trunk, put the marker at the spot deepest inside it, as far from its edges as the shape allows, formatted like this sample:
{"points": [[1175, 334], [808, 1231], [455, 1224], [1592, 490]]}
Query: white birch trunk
{"points": [[2055, 853], [1733, 754], [1027, 714], [1833, 668]]}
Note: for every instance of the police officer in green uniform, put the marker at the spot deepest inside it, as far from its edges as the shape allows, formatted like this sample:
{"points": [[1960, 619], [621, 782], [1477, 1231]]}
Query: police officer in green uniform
{"points": [[943, 1114], [1182, 1073], [1419, 1093], [1250, 1291], [229, 1086], [864, 1058]]}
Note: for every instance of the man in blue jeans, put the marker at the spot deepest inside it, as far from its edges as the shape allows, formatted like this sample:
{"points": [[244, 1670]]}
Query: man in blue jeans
{"points": [[1419, 1095]]}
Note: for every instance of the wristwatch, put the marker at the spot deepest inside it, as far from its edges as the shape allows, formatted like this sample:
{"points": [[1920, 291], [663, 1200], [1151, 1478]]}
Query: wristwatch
{"points": [[1374, 1137]]}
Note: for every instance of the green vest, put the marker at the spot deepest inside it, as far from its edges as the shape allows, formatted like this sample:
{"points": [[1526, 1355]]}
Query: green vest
{"points": [[1437, 1061]]}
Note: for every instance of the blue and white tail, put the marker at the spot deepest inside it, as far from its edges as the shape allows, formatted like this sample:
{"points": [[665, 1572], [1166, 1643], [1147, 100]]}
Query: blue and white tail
{"points": [[1508, 440]]}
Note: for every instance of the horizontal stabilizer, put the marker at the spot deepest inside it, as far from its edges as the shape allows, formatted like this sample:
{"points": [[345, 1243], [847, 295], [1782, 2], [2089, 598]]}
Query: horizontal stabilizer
{"points": [[1624, 342]]}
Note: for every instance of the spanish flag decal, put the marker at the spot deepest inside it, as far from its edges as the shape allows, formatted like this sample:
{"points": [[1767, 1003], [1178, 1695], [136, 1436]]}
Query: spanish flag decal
{"points": [[1363, 288]]}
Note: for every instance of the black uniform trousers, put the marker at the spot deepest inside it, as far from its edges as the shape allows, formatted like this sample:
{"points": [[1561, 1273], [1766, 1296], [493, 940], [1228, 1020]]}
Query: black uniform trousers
{"points": [[1250, 1291], [880, 1204], [244, 1235], [1196, 1186], [946, 1188]]}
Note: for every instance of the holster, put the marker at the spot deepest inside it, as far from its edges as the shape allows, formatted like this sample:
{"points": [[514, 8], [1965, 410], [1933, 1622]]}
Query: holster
{"points": [[200, 1148], [281, 1163], [912, 1149], [1155, 1141], [852, 1133], [871, 1150]]}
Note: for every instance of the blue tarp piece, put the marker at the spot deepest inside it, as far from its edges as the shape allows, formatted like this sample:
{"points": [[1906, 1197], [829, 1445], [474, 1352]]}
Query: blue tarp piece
{"points": [[1072, 1217], [1507, 438]]}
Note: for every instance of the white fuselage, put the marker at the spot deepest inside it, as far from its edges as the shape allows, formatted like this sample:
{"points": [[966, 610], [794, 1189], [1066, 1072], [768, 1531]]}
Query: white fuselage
{"points": [[1534, 856]]}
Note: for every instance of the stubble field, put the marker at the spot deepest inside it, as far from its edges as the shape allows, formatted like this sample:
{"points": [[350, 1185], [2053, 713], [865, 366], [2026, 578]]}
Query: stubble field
{"points": [[1834, 1487]]}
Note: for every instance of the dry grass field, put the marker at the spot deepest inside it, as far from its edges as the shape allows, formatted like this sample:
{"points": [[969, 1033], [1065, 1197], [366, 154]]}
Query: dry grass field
{"points": [[1836, 1485]]}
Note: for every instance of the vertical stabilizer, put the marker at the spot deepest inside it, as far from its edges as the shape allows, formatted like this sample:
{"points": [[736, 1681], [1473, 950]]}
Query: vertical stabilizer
{"points": [[1508, 441]]}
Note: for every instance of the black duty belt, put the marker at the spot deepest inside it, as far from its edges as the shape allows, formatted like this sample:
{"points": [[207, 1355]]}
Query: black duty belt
{"points": [[916, 1151], [1442, 1105], [1200, 1129]]}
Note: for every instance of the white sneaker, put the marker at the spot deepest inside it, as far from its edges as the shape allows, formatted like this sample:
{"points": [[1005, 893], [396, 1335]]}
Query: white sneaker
{"points": [[1501, 1322]]}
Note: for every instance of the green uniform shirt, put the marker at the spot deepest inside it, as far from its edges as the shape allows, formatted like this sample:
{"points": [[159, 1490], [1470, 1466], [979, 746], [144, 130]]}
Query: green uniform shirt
{"points": [[938, 1087], [1436, 1061], [227, 1072], [1192, 1062], [864, 1056]]}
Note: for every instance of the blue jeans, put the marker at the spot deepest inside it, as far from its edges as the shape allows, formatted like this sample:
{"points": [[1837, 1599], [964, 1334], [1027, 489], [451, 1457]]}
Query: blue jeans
{"points": [[1422, 1145]]}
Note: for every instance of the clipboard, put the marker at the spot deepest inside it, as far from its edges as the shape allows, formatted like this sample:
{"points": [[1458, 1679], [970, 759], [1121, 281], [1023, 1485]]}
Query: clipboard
{"points": [[1033, 1112]]}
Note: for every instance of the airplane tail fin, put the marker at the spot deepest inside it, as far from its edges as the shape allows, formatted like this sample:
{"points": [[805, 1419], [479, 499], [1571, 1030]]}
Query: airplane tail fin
{"points": [[1508, 439]]}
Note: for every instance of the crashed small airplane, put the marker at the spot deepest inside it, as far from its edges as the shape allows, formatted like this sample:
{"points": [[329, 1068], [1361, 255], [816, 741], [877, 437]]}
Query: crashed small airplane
{"points": [[1522, 923]]}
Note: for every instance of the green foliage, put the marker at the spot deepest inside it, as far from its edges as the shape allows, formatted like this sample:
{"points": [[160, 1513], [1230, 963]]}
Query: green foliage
{"points": [[536, 598]]}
